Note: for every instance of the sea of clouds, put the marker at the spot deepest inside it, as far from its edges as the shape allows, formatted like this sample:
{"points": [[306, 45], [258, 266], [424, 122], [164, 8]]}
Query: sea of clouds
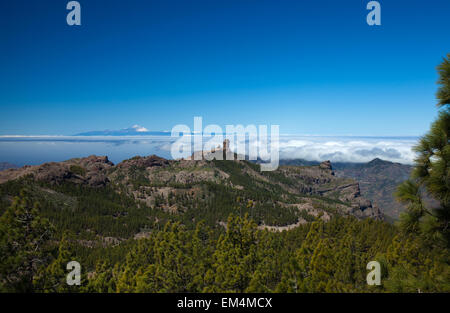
{"points": [[348, 149], [37, 149]]}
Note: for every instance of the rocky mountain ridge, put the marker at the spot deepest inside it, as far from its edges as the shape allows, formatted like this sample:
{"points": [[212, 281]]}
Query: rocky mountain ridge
{"points": [[156, 182], [378, 180]]}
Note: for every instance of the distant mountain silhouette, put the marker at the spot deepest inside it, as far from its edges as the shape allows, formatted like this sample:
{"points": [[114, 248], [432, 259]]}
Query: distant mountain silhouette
{"points": [[6, 165], [135, 130]]}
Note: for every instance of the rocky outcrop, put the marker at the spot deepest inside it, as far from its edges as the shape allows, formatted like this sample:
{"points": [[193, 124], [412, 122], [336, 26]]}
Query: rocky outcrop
{"points": [[91, 171], [144, 162], [321, 180], [378, 181], [326, 165], [154, 179], [219, 153]]}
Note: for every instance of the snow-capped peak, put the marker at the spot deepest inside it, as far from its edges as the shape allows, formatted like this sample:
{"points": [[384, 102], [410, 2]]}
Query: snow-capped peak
{"points": [[140, 128]]}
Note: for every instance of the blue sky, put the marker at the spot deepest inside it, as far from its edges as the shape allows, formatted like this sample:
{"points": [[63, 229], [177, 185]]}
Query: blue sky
{"points": [[313, 67]]}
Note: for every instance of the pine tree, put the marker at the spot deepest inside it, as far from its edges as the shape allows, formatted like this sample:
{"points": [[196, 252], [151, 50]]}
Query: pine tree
{"points": [[431, 172], [235, 256], [53, 277], [23, 245], [102, 280]]}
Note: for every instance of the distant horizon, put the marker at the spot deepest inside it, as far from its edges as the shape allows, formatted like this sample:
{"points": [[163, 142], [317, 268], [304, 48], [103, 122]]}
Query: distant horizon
{"points": [[145, 132], [34, 150]]}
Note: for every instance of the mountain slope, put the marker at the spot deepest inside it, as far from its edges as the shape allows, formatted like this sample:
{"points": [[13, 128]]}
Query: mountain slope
{"points": [[378, 180], [142, 193]]}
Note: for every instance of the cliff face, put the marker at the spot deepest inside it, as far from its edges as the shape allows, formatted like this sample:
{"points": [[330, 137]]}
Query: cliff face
{"points": [[176, 186], [91, 171], [378, 181], [322, 180]]}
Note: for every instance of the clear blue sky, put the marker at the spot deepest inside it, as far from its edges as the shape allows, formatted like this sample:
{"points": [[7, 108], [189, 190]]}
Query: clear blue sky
{"points": [[313, 67]]}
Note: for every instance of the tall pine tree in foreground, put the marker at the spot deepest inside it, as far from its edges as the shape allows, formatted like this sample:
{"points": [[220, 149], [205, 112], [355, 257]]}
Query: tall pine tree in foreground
{"points": [[431, 173]]}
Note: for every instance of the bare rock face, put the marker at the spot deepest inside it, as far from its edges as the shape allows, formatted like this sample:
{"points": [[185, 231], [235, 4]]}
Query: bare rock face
{"points": [[144, 162], [378, 180], [95, 163], [326, 165], [320, 180], [91, 171], [96, 170], [367, 210], [54, 172], [97, 180]]}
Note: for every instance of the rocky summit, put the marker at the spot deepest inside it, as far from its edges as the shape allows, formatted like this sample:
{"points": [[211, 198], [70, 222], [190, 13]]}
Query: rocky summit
{"points": [[378, 180], [91, 171]]}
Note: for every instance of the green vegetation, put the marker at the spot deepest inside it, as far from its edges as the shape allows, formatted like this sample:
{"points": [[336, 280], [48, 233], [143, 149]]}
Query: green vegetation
{"points": [[24, 237], [77, 170], [431, 173], [314, 257]]}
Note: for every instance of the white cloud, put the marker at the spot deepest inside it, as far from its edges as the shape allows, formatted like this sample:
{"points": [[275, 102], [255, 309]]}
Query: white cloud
{"points": [[140, 128], [312, 148], [348, 149], [342, 149]]}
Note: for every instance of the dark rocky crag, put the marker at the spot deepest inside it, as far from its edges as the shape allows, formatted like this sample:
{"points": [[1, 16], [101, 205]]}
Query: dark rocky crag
{"points": [[91, 171]]}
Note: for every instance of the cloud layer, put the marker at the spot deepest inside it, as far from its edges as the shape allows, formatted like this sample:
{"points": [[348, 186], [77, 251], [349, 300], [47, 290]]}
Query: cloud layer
{"points": [[29, 149], [348, 149]]}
